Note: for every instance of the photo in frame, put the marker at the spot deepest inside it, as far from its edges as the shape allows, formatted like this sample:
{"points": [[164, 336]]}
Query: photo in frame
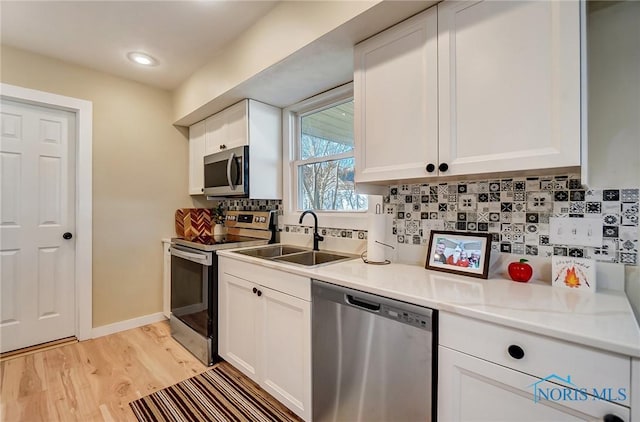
{"points": [[459, 253]]}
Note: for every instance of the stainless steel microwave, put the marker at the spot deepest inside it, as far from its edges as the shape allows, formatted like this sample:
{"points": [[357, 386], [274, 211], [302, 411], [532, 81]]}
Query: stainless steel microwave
{"points": [[226, 173]]}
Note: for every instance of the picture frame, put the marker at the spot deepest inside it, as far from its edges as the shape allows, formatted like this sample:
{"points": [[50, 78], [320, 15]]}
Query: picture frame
{"points": [[463, 253]]}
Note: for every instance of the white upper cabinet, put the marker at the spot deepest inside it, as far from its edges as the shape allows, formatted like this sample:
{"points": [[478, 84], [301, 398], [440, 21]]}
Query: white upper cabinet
{"points": [[228, 129], [196, 158], [396, 101], [469, 88], [248, 122], [509, 85]]}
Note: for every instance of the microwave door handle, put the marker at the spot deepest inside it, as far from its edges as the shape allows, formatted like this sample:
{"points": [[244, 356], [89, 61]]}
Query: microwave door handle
{"points": [[229, 164]]}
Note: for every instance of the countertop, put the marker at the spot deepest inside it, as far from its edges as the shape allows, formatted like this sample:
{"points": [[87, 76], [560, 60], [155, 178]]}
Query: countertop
{"points": [[603, 320]]}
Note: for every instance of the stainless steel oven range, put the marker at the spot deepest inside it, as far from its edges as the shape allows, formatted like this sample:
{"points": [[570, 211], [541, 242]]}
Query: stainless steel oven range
{"points": [[194, 279]]}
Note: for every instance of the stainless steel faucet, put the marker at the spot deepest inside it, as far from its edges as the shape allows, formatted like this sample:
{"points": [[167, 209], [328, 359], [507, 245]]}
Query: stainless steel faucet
{"points": [[316, 236]]}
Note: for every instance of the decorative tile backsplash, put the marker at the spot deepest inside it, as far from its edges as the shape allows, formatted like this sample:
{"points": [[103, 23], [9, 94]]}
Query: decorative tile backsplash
{"points": [[516, 212], [327, 231], [252, 205]]}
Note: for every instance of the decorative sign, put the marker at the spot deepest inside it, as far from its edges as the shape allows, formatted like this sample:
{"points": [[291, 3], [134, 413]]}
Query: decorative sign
{"points": [[573, 273]]}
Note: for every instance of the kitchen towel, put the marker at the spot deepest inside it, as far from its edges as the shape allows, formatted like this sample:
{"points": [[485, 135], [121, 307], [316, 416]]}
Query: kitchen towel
{"points": [[376, 227]]}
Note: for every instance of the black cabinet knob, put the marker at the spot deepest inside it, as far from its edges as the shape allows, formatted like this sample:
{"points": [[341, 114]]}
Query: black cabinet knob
{"points": [[259, 293], [223, 146], [443, 167], [430, 167], [67, 236], [612, 418], [515, 351], [201, 189], [255, 290]]}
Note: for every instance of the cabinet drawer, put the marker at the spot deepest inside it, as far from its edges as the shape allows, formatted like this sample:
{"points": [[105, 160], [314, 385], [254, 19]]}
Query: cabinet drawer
{"points": [[565, 363], [291, 284]]}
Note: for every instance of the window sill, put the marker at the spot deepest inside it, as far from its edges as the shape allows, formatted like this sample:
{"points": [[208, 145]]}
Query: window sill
{"points": [[337, 220]]}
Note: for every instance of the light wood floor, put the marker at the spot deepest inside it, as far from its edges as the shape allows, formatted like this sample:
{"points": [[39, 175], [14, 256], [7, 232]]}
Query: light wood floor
{"points": [[93, 380]]}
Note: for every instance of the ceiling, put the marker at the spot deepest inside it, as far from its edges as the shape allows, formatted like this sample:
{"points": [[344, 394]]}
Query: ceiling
{"points": [[181, 35]]}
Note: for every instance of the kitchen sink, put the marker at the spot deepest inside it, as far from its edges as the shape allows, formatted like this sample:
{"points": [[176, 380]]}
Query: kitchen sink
{"points": [[312, 258], [296, 255], [272, 251]]}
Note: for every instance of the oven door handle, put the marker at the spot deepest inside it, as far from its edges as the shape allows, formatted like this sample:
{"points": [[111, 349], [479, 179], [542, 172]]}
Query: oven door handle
{"points": [[193, 257], [229, 163]]}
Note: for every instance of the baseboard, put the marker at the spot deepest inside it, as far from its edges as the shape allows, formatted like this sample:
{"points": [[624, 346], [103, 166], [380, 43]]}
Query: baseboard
{"points": [[128, 324]]}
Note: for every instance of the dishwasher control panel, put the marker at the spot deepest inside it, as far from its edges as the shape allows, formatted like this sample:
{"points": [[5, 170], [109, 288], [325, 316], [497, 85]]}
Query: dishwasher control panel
{"points": [[417, 320]]}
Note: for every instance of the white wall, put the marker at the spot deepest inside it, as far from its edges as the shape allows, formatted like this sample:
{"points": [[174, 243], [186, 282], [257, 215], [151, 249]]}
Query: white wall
{"points": [[614, 105]]}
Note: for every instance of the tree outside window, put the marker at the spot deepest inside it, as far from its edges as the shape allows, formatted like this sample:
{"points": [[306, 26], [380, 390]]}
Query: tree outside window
{"points": [[325, 163]]}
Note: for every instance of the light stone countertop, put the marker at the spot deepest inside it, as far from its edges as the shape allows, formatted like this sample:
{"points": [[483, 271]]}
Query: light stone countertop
{"points": [[603, 320]]}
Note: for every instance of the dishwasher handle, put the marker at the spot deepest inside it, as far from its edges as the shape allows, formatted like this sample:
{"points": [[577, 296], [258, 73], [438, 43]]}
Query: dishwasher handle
{"points": [[361, 303]]}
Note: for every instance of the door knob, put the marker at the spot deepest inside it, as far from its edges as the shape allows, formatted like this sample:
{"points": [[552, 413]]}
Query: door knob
{"points": [[443, 167], [67, 236], [430, 168]]}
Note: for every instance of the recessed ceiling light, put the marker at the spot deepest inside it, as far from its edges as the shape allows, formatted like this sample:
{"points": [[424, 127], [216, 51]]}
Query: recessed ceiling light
{"points": [[141, 58]]}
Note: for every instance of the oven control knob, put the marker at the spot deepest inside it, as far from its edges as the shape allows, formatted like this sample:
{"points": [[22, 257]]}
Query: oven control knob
{"points": [[255, 290]]}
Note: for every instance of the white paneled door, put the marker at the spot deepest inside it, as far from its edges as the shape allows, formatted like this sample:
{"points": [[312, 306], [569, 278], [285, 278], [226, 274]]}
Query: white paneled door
{"points": [[37, 217]]}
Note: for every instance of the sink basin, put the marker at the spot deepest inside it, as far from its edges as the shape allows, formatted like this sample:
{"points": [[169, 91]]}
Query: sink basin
{"points": [[272, 251], [313, 258]]}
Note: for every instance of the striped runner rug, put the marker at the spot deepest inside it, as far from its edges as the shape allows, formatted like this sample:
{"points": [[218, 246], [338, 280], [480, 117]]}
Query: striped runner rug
{"points": [[220, 394]]}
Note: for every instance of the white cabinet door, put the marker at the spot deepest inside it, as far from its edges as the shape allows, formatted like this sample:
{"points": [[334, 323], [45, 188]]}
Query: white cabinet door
{"points": [[396, 101], [472, 389], [285, 334], [216, 133], [166, 278], [228, 128], [236, 119], [196, 158], [509, 85], [237, 324]]}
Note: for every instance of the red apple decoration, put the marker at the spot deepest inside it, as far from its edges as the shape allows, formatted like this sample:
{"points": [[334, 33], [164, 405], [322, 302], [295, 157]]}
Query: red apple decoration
{"points": [[520, 271]]}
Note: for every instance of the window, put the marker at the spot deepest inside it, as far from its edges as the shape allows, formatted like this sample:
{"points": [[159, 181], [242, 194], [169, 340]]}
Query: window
{"points": [[323, 163]]}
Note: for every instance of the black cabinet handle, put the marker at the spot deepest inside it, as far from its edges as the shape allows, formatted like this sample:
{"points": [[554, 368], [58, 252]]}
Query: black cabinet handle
{"points": [[443, 167], [612, 418], [515, 351], [223, 146], [255, 290], [430, 167], [259, 293], [67, 236]]}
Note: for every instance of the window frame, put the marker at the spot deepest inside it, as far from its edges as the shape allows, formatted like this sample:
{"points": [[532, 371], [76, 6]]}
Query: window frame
{"points": [[356, 220]]}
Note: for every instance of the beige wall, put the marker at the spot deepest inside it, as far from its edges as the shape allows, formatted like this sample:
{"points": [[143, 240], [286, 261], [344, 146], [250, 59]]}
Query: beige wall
{"points": [[614, 105], [139, 178], [269, 41]]}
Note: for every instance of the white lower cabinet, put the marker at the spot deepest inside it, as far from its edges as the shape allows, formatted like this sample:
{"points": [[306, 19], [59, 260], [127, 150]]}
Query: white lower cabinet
{"points": [[266, 333], [487, 372], [472, 389]]}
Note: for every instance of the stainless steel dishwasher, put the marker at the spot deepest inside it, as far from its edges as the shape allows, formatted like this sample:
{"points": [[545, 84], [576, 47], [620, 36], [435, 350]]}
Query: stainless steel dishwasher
{"points": [[373, 357]]}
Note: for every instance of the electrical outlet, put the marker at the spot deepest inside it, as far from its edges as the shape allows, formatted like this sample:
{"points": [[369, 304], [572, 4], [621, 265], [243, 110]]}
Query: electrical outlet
{"points": [[575, 231]]}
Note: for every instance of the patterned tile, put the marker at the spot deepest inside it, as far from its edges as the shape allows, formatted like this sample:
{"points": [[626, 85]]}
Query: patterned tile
{"points": [[516, 213], [629, 195]]}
